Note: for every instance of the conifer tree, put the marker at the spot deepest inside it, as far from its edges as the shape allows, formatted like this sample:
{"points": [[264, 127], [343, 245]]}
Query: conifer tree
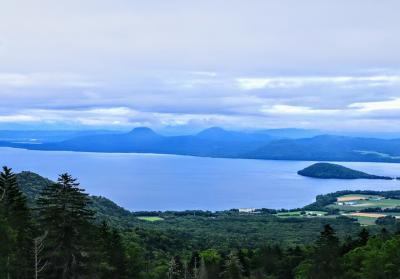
{"points": [[326, 263], [17, 215], [7, 246], [64, 213]]}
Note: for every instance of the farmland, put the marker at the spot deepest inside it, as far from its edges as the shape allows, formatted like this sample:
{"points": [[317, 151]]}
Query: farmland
{"points": [[365, 208], [358, 202], [150, 218]]}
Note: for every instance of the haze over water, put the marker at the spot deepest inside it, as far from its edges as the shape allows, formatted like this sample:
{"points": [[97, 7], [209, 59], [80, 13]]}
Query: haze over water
{"points": [[171, 182]]}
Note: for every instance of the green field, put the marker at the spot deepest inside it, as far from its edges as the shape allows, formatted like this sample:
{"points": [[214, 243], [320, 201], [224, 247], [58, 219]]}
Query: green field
{"points": [[150, 218], [365, 221], [367, 203]]}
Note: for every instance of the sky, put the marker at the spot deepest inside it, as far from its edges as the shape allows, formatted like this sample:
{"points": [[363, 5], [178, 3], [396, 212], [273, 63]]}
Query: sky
{"points": [[187, 65]]}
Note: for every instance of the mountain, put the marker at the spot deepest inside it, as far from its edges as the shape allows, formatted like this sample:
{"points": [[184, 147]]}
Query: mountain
{"points": [[214, 142], [138, 140], [291, 133], [330, 148], [327, 170], [219, 134], [217, 142], [41, 136]]}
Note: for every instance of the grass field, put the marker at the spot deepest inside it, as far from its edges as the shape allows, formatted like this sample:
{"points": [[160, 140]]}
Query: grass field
{"points": [[350, 205], [150, 218], [365, 221], [370, 215], [359, 202]]}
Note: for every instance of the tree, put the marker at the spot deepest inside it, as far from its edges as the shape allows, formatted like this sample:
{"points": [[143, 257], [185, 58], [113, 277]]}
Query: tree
{"points": [[111, 259], [7, 244], [212, 260], [363, 237], [39, 263], [202, 273], [63, 212], [13, 206], [233, 268], [117, 255], [326, 256], [174, 269]]}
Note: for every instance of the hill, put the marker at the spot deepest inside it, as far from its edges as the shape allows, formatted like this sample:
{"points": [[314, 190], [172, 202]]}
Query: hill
{"points": [[32, 184], [213, 142], [217, 142], [330, 148], [327, 170]]}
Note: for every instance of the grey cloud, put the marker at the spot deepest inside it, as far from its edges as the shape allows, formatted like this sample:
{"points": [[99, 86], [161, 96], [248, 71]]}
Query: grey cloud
{"points": [[246, 64]]}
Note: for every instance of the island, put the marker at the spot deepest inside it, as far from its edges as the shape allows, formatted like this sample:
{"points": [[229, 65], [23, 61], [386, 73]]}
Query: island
{"points": [[328, 170]]}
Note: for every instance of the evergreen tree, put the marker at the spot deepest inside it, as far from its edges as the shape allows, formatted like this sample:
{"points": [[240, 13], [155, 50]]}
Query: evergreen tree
{"points": [[13, 206], [363, 237], [7, 246], [63, 212], [117, 255], [111, 259], [326, 256]]}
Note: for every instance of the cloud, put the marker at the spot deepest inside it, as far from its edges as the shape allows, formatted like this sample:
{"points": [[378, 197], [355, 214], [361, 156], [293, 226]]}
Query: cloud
{"points": [[18, 118], [393, 104], [297, 110], [269, 64], [44, 80]]}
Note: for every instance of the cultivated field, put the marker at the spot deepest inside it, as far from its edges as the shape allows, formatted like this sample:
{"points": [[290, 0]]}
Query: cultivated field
{"points": [[150, 218], [352, 198]]}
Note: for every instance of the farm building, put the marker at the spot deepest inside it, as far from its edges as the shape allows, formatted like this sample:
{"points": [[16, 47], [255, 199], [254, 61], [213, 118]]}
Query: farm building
{"points": [[247, 210]]}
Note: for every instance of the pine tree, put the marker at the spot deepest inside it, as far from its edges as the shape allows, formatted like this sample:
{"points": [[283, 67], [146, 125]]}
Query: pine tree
{"points": [[13, 206], [7, 246], [63, 212], [111, 258], [117, 255], [326, 256]]}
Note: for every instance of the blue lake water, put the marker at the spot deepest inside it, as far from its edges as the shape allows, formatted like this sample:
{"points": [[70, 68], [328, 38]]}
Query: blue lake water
{"points": [[170, 182]]}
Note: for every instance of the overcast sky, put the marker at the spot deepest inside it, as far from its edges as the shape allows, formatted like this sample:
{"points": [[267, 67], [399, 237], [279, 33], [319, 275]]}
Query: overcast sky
{"points": [[332, 65]]}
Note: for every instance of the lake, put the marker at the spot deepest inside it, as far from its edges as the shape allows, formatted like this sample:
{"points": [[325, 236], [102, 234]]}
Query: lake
{"points": [[171, 182]]}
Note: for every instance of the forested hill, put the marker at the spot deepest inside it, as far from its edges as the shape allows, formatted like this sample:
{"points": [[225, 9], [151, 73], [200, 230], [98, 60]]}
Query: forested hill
{"points": [[217, 142], [328, 170], [56, 238], [105, 210]]}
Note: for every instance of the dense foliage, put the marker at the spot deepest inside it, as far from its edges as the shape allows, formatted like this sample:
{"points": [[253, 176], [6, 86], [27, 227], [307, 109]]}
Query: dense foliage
{"points": [[328, 170], [59, 234]]}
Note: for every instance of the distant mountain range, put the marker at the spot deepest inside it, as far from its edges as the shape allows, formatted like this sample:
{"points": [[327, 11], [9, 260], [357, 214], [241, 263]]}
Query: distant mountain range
{"points": [[279, 144]]}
